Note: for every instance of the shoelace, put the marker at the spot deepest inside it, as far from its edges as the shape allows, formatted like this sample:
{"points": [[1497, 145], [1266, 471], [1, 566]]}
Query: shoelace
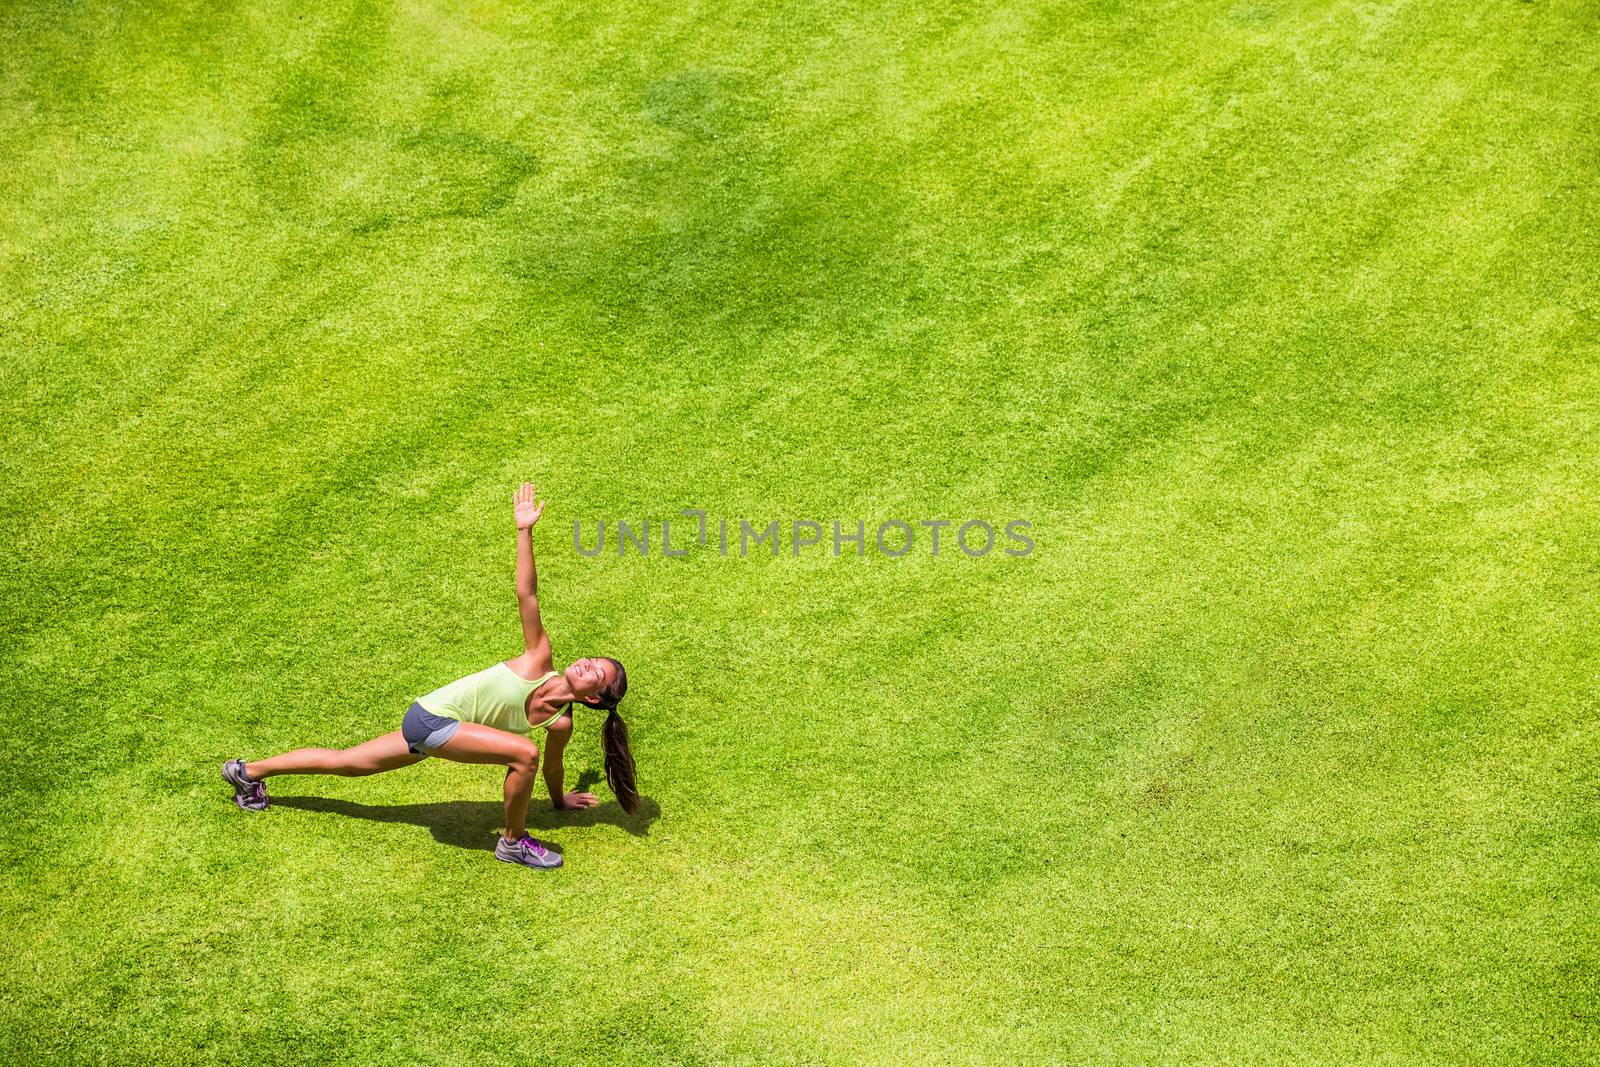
{"points": [[534, 845]]}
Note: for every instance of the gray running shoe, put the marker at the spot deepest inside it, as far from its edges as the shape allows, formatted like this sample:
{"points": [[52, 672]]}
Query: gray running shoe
{"points": [[528, 851], [248, 793]]}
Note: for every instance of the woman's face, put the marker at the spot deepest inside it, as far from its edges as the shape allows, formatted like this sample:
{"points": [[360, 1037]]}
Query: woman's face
{"points": [[588, 677]]}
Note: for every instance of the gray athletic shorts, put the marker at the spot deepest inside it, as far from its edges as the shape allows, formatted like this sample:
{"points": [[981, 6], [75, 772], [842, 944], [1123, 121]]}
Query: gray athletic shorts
{"points": [[425, 731]]}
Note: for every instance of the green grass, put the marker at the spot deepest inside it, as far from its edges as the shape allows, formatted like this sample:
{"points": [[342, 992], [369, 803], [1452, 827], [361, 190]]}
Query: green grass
{"points": [[1277, 320]]}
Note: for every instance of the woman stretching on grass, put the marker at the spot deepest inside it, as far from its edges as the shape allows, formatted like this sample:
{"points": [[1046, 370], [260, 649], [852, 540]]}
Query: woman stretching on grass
{"points": [[486, 718]]}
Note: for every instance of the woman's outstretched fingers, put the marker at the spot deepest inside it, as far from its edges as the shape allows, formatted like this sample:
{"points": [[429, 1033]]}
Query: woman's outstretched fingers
{"points": [[526, 505]]}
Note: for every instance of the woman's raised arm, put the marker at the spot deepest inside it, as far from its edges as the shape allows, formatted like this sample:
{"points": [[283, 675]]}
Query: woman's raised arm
{"points": [[528, 509]]}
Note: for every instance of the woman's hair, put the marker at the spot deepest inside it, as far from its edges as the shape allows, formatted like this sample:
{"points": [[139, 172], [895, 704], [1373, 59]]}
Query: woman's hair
{"points": [[614, 738]]}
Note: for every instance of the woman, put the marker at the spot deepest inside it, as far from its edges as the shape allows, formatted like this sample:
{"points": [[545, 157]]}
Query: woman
{"points": [[486, 717]]}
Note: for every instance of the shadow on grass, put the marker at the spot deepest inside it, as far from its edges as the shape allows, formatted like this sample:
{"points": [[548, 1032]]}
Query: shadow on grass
{"points": [[475, 824]]}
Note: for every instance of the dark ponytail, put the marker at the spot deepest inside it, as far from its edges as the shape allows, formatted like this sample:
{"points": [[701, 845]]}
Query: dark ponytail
{"points": [[614, 739]]}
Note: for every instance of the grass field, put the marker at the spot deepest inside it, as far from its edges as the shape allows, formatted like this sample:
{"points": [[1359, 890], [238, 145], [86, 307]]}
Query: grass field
{"points": [[1278, 321]]}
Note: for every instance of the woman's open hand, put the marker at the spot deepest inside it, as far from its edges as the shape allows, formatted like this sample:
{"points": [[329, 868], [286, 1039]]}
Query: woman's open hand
{"points": [[529, 506], [577, 801]]}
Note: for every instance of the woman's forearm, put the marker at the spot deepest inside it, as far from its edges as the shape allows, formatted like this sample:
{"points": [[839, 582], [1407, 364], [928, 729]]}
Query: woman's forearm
{"points": [[527, 576], [553, 779]]}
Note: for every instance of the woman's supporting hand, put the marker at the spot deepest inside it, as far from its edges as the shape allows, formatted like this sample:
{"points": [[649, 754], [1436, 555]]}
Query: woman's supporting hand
{"points": [[529, 506], [576, 801]]}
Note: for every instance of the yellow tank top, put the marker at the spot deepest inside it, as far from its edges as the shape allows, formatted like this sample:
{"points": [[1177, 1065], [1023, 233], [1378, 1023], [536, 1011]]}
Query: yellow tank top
{"points": [[495, 696]]}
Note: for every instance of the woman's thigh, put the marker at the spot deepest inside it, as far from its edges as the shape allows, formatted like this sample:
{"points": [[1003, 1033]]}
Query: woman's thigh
{"points": [[384, 753], [474, 742]]}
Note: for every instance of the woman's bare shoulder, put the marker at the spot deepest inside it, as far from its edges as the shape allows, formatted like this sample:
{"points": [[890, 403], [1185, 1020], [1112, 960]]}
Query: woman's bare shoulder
{"points": [[530, 666]]}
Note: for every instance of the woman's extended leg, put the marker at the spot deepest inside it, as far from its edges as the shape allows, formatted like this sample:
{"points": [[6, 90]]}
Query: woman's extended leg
{"points": [[475, 743], [384, 753]]}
